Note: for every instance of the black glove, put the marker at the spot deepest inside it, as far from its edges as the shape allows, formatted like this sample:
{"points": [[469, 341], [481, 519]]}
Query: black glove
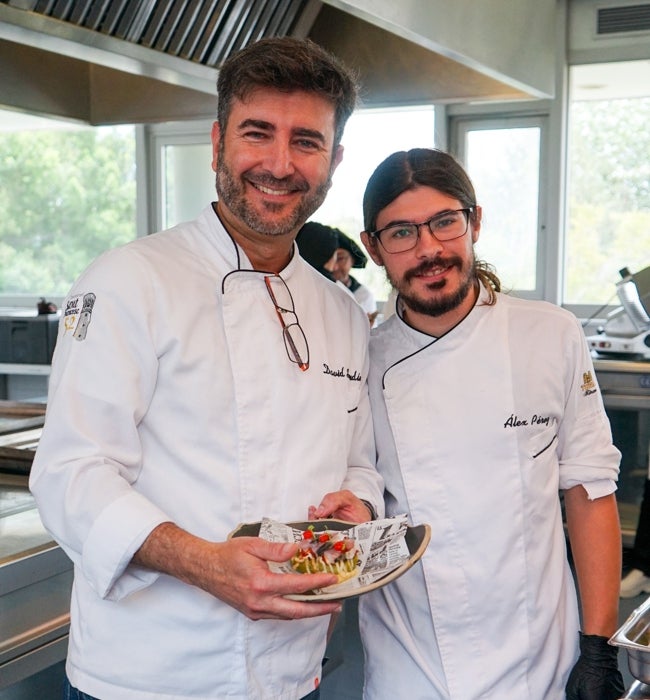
{"points": [[595, 675]]}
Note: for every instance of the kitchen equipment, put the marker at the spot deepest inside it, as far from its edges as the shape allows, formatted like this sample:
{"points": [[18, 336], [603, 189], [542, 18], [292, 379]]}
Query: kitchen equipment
{"points": [[28, 339], [626, 332], [634, 637]]}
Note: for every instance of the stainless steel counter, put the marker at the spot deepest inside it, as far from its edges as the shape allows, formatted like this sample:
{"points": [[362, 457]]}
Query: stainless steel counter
{"points": [[35, 584]]}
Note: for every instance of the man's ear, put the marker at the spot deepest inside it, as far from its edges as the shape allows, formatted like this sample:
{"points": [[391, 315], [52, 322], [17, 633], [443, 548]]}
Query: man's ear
{"points": [[475, 223], [372, 246], [215, 135], [337, 157]]}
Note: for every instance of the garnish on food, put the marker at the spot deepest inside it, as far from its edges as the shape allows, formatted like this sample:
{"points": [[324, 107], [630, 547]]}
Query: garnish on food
{"points": [[329, 552]]}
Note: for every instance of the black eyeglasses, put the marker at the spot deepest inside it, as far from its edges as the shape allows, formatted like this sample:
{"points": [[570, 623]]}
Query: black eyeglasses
{"points": [[295, 341], [445, 226]]}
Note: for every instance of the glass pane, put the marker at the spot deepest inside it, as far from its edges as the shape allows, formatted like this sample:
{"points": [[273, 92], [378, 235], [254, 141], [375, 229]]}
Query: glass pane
{"points": [[504, 167], [67, 193], [188, 182], [608, 196], [370, 136]]}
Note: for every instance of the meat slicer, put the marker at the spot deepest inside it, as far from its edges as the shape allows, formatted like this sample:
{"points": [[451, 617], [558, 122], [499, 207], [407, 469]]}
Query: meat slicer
{"points": [[626, 332]]}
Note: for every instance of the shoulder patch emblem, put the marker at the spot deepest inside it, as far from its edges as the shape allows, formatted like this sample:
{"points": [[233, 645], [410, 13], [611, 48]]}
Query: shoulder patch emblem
{"points": [[77, 314], [588, 385]]}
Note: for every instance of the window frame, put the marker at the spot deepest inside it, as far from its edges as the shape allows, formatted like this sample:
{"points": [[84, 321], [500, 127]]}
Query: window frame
{"points": [[500, 118], [159, 137]]}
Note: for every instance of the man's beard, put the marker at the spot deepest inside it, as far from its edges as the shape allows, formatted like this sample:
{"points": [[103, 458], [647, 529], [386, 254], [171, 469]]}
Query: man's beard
{"points": [[232, 193], [443, 303]]}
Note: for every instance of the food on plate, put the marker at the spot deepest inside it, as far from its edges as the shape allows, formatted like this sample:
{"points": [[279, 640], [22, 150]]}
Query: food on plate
{"points": [[328, 552]]}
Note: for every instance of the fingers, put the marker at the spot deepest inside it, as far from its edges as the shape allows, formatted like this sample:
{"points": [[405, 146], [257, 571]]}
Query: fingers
{"points": [[272, 551], [294, 610], [332, 503], [343, 505], [266, 581], [238, 574]]}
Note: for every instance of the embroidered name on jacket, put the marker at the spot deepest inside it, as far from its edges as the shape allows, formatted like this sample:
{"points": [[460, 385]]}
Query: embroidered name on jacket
{"points": [[342, 373], [515, 422], [77, 314]]}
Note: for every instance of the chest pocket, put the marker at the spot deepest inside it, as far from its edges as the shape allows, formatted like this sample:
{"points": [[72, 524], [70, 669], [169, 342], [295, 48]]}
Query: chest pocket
{"points": [[543, 443]]}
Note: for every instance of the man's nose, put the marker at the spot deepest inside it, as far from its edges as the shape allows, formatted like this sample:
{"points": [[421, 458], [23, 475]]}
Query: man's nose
{"points": [[427, 244], [279, 159]]}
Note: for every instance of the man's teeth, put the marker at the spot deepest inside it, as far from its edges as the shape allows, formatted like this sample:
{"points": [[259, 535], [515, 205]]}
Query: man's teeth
{"points": [[434, 270], [268, 190]]}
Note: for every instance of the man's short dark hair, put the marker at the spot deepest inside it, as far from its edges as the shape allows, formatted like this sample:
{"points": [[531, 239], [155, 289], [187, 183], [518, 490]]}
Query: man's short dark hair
{"points": [[288, 64]]}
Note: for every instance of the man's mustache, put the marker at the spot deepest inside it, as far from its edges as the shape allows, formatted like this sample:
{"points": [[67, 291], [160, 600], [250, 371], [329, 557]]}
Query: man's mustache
{"points": [[428, 265]]}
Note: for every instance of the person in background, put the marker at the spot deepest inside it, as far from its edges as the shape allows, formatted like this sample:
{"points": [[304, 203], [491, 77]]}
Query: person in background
{"points": [[349, 255], [317, 244], [485, 407], [188, 395]]}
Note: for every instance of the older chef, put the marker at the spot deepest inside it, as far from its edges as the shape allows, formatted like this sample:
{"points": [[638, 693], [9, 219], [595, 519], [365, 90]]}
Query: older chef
{"points": [[196, 386], [485, 408]]}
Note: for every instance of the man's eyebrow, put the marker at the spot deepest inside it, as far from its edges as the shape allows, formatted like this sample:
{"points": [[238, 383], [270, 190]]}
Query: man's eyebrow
{"points": [[257, 123], [310, 133], [268, 126]]}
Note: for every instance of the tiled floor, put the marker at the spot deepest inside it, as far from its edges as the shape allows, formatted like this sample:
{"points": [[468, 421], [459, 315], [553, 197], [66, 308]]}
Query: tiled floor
{"points": [[343, 673]]}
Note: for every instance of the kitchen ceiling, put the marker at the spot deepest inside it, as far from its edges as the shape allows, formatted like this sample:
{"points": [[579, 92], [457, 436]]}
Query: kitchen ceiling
{"points": [[124, 61]]}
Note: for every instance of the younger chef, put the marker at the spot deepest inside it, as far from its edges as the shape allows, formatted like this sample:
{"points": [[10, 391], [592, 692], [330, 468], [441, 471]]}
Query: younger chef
{"points": [[485, 407]]}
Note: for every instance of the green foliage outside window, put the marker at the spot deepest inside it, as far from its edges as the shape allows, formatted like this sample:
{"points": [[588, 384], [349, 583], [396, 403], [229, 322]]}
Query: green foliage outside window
{"points": [[65, 196], [609, 196]]}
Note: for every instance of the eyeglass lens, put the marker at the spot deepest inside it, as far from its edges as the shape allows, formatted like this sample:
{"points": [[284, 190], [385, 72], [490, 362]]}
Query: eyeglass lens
{"points": [[295, 341], [444, 227]]}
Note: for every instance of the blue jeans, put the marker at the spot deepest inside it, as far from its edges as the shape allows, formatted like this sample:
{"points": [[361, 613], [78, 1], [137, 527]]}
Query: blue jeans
{"points": [[70, 693]]}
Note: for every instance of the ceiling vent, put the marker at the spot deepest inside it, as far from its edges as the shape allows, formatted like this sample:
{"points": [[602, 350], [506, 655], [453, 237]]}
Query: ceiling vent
{"points": [[205, 32], [623, 19]]}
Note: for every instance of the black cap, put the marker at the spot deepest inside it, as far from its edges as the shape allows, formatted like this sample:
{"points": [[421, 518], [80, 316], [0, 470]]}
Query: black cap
{"points": [[359, 258], [317, 243]]}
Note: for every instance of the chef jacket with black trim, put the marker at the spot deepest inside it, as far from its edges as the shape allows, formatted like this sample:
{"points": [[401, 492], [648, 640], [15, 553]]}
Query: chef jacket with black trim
{"points": [[173, 398], [477, 432]]}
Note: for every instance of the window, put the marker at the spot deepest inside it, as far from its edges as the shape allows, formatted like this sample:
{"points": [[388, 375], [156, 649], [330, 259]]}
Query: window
{"points": [[503, 158], [608, 207], [182, 171], [67, 193]]}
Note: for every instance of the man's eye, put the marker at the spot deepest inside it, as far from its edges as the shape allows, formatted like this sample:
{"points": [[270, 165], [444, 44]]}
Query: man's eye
{"points": [[444, 222], [400, 232], [307, 144], [254, 135]]}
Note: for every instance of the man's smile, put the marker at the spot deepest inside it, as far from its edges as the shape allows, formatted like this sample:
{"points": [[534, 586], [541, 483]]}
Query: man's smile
{"points": [[432, 269], [276, 187]]}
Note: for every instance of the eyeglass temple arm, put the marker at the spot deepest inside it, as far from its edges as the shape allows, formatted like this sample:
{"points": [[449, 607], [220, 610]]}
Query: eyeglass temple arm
{"points": [[296, 355]]}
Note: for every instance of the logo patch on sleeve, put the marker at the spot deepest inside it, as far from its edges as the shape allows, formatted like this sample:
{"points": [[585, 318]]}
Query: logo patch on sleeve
{"points": [[588, 385], [77, 314]]}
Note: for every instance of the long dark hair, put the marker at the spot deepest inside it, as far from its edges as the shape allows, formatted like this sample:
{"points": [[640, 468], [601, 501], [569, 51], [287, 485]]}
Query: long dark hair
{"points": [[429, 167]]}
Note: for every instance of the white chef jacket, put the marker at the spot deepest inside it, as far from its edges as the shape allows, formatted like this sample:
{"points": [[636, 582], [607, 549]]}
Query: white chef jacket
{"points": [[172, 398], [476, 432]]}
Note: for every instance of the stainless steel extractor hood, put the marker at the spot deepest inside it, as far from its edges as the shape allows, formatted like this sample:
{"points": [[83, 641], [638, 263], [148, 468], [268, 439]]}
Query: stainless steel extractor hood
{"points": [[133, 61]]}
